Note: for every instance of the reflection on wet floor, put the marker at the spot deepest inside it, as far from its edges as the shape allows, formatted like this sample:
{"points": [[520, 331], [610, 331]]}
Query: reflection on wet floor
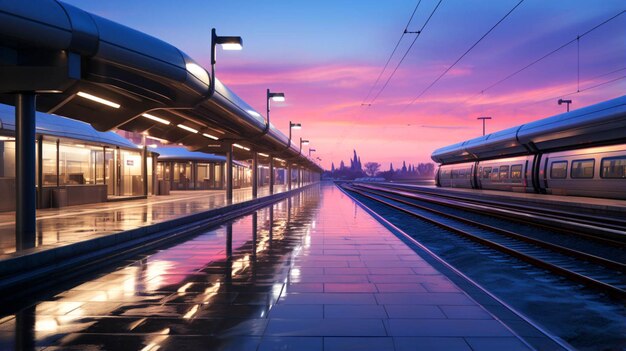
{"points": [[62, 226], [222, 282], [314, 272]]}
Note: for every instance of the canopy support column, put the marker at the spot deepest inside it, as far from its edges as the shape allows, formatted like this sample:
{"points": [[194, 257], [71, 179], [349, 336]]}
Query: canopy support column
{"points": [[26, 198]]}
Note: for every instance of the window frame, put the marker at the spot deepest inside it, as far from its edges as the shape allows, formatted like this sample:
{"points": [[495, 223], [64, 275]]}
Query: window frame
{"points": [[608, 159], [593, 171], [521, 169], [552, 169]]}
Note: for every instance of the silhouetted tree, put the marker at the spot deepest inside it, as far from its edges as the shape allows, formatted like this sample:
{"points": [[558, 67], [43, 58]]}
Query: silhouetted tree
{"points": [[371, 168]]}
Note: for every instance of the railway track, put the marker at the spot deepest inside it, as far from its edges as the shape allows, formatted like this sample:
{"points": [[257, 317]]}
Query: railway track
{"points": [[606, 230], [592, 270]]}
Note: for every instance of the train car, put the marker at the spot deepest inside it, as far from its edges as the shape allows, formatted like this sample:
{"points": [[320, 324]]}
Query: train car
{"points": [[510, 174], [459, 175], [582, 153], [597, 171]]}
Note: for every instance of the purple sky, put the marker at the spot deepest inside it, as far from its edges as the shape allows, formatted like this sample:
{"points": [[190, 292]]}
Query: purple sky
{"points": [[326, 55]]}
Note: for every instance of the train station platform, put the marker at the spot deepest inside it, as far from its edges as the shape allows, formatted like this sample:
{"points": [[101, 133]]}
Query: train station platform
{"points": [[312, 272], [572, 203], [72, 224]]}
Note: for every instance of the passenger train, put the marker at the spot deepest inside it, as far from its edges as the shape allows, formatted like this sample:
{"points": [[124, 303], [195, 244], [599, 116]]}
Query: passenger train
{"points": [[581, 153]]}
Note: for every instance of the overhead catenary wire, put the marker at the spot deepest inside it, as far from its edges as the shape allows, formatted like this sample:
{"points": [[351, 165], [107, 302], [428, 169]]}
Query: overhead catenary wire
{"points": [[465, 53], [551, 52], [543, 57], [405, 54], [392, 53]]}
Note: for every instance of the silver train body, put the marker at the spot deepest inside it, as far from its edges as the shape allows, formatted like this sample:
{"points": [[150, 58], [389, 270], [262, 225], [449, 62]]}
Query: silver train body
{"points": [[580, 153]]}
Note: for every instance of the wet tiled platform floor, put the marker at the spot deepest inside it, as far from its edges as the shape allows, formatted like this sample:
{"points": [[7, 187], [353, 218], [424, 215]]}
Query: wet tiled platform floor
{"points": [[314, 272], [67, 225]]}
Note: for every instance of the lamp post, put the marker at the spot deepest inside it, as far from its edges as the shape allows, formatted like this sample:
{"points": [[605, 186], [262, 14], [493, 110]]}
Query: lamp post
{"points": [[227, 43], [311, 150], [303, 142], [484, 118], [567, 102], [272, 96], [292, 126]]}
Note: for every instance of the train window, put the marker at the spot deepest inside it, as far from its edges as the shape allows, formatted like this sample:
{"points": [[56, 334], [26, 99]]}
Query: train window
{"points": [[454, 173], [613, 167], [516, 173], [494, 174], [486, 172], [583, 168], [504, 172], [558, 170]]}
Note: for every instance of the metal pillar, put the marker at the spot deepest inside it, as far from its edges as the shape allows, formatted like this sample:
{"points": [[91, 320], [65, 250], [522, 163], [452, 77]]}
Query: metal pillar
{"points": [[255, 174], [229, 174], [144, 167], [271, 175], [25, 213], [40, 171], [289, 177]]}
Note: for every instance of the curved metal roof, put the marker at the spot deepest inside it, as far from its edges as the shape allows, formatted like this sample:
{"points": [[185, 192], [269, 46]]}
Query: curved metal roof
{"points": [[62, 127], [592, 125], [82, 52], [182, 154]]}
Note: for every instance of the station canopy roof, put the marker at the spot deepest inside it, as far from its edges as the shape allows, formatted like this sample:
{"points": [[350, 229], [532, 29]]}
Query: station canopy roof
{"points": [[92, 69], [62, 127]]}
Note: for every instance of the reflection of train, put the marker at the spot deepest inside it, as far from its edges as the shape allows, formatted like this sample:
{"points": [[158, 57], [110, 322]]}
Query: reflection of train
{"points": [[582, 153]]}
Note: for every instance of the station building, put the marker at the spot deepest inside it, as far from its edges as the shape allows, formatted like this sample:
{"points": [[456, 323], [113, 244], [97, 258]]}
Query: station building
{"points": [[75, 163]]}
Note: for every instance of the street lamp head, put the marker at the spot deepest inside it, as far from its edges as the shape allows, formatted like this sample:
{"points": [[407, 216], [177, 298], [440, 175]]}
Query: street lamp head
{"points": [[304, 142], [227, 43], [279, 97], [483, 118], [562, 101], [295, 125]]}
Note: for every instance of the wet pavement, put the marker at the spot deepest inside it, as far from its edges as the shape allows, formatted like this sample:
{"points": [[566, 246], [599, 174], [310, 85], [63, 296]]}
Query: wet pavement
{"points": [[62, 226], [314, 272]]}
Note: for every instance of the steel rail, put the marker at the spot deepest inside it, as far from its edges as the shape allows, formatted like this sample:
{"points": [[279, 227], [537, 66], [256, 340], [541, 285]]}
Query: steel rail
{"points": [[591, 282]]}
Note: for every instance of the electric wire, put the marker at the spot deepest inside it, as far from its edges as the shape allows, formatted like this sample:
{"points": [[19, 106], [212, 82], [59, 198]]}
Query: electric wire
{"points": [[465, 53], [391, 56], [405, 54]]}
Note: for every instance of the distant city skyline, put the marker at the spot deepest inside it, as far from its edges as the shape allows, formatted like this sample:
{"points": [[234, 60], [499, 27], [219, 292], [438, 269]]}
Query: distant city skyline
{"points": [[326, 55]]}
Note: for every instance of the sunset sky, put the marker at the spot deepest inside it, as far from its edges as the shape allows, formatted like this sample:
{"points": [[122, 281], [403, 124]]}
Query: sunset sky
{"points": [[326, 55]]}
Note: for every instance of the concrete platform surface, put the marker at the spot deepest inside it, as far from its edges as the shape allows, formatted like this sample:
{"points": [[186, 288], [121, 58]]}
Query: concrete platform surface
{"points": [[314, 272]]}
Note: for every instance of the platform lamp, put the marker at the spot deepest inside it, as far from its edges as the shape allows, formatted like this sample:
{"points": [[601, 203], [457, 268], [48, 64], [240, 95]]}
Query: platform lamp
{"points": [[567, 102], [278, 97], [303, 142], [484, 119], [293, 126], [227, 43], [311, 150]]}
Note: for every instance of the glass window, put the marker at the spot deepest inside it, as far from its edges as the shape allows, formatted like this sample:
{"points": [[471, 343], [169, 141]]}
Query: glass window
{"points": [[486, 172], [130, 173], [516, 173], [7, 150], [495, 173], [218, 175], [558, 170], [77, 163], [49, 163], [504, 172], [583, 168], [613, 167]]}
